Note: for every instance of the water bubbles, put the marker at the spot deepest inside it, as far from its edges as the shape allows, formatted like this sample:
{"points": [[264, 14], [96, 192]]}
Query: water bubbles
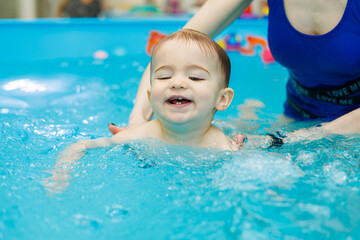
{"points": [[119, 52], [4, 110], [100, 54], [116, 212], [85, 221], [317, 211], [306, 158], [91, 118], [77, 89], [11, 103], [249, 172], [135, 64], [115, 87], [25, 85], [141, 69], [334, 173]]}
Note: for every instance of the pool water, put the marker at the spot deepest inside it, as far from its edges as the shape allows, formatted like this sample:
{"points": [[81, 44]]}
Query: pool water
{"points": [[304, 190], [150, 190]]}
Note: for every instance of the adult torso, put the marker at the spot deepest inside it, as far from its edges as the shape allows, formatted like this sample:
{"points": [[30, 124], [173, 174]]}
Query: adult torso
{"points": [[318, 41], [314, 17]]}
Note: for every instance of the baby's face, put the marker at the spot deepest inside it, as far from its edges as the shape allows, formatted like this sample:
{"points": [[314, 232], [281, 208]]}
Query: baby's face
{"points": [[186, 83]]}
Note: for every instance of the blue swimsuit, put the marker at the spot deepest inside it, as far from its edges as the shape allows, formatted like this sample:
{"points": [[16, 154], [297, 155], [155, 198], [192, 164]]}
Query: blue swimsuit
{"points": [[324, 69]]}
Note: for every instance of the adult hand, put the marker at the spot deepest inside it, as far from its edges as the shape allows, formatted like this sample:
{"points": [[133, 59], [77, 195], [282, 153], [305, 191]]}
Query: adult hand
{"points": [[115, 129]]}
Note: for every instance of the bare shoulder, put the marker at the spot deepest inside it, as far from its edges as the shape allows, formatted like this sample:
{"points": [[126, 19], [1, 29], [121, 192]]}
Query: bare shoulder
{"points": [[217, 138], [145, 130]]}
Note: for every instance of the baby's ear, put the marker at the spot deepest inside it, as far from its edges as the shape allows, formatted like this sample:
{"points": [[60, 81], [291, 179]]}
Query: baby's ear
{"points": [[149, 94], [227, 95]]}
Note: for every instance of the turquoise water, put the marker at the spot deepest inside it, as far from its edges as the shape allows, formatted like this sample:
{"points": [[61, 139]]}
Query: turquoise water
{"points": [[304, 190]]}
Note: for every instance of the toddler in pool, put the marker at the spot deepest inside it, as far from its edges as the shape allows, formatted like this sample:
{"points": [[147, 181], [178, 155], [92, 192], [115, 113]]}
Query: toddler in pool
{"points": [[189, 75], [189, 83]]}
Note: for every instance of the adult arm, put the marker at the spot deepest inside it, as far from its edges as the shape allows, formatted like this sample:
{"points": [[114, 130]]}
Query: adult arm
{"points": [[346, 124], [226, 11], [214, 16], [142, 111]]}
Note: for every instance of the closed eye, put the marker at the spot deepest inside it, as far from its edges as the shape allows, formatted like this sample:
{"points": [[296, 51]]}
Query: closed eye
{"points": [[164, 78], [196, 78]]}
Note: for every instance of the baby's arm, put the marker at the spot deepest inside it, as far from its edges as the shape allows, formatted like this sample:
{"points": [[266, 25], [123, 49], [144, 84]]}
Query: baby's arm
{"points": [[60, 174], [77, 150]]}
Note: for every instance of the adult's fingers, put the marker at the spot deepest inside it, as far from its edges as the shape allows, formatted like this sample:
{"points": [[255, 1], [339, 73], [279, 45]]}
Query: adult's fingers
{"points": [[115, 129]]}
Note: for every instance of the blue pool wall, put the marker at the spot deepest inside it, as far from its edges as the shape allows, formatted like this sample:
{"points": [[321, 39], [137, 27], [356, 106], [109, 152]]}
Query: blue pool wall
{"points": [[41, 40], [79, 38]]}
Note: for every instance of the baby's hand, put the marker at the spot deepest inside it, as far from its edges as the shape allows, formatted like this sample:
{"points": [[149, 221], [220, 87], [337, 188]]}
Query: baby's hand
{"points": [[237, 142], [58, 181], [60, 178]]}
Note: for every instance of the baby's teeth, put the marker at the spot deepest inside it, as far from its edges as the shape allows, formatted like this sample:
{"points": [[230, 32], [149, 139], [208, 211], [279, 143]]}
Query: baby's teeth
{"points": [[178, 103]]}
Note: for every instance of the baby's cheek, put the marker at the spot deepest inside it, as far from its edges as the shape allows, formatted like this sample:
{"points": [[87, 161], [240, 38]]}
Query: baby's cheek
{"points": [[155, 94], [208, 95], [155, 99]]}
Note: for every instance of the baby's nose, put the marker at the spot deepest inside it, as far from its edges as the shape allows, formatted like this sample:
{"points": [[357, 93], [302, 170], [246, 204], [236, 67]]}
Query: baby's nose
{"points": [[178, 83]]}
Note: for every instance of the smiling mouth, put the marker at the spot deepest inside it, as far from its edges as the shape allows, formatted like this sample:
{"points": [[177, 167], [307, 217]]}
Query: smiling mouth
{"points": [[177, 100]]}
